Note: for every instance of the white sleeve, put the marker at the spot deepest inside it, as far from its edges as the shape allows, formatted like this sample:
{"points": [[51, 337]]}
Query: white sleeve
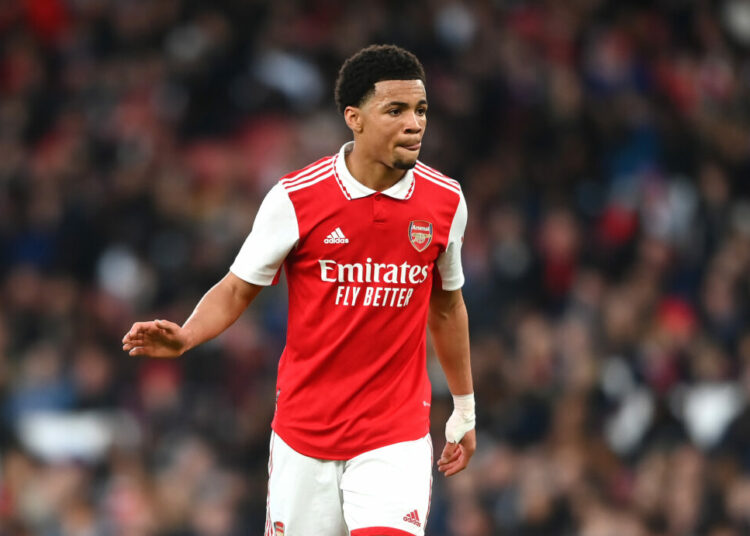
{"points": [[275, 232], [449, 261]]}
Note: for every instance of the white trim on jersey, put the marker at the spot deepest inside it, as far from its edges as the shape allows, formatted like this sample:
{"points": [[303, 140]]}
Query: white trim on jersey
{"points": [[437, 174], [318, 176], [338, 178], [306, 172], [437, 178]]}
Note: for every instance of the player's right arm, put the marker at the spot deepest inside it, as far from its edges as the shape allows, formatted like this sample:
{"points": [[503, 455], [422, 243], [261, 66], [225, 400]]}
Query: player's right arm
{"points": [[215, 312], [257, 265]]}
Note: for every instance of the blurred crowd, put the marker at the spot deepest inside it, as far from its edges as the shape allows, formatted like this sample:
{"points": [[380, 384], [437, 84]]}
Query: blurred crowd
{"points": [[604, 150]]}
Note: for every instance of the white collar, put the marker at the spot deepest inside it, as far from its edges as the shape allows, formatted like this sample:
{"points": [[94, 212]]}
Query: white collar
{"points": [[354, 189]]}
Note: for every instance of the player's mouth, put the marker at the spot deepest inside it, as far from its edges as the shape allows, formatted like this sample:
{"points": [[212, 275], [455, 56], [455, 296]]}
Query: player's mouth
{"points": [[414, 147]]}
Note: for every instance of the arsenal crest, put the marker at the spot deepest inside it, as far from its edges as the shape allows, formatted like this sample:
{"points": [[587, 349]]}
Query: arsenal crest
{"points": [[278, 528], [420, 234]]}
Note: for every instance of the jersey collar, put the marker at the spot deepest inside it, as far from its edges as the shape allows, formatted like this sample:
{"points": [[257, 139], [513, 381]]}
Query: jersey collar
{"points": [[353, 189]]}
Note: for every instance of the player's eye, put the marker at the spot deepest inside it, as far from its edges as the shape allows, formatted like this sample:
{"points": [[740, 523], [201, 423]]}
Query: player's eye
{"points": [[394, 111], [421, 111]]}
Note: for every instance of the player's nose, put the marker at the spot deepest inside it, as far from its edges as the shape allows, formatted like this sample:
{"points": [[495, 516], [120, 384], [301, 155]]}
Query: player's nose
{"points": [[414, 123]]}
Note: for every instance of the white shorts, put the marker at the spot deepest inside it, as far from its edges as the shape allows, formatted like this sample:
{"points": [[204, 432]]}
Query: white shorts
{"points": [[383, 492]]}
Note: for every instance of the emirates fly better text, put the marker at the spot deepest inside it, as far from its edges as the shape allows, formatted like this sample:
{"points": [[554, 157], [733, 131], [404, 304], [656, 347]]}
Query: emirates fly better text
{"points": [[373, 272]]}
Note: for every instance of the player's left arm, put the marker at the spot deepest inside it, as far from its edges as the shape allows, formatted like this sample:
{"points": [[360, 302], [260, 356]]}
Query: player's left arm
{"points": [[448, 322]]}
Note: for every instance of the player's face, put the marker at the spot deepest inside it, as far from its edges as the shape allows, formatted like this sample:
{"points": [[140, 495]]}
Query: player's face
{"points": [[394, 118]]}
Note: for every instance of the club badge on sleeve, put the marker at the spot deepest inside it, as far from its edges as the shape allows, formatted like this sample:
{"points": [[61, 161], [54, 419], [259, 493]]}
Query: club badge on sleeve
{"points": [[420, 234]]}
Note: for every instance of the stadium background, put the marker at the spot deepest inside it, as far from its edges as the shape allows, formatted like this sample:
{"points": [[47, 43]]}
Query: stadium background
{"points": [[604, 149]]}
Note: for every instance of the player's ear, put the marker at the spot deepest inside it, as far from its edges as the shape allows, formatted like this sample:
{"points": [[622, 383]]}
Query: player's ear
{"points": [[353, 118]]}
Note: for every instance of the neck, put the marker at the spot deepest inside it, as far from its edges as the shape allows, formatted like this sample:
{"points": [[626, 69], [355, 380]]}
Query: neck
{"points": [[371, 172]]}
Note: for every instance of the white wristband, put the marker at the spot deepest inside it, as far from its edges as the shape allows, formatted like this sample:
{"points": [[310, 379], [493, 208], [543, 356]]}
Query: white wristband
{"points": [[462, 419]]}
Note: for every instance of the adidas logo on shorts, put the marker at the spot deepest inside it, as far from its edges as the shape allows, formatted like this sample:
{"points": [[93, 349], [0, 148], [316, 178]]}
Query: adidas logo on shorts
{"points": [[413, 518], [336, 237]]}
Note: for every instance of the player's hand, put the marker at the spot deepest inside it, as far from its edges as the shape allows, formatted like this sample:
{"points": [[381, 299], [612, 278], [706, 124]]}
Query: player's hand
{"points": [[157, 338], [456, 456]]}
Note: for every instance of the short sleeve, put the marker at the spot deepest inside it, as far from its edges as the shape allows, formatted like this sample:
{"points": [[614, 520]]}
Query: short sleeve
{"points": [[274, 234], [449, 262]]}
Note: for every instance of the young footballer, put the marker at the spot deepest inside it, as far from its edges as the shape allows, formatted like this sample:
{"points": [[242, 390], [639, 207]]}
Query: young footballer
{"points": [[370, 239]]}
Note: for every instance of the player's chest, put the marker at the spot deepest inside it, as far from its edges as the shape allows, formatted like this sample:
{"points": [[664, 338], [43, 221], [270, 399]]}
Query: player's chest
{"points": [[376, 226]]}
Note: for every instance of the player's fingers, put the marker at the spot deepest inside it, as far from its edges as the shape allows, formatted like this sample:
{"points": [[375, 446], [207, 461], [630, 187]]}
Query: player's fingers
{"points": [[153, 328], [456, 466], [147, 350], [450, 468], [135, 341], [456, 453], [449, 456], [166, 325], [130, 334], [447, 463], [136, 336], [450, 452], [137, 330], [140, 327]]}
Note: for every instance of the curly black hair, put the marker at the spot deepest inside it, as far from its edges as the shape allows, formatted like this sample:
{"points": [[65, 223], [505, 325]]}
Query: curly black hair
{"points": [[359, 74]]}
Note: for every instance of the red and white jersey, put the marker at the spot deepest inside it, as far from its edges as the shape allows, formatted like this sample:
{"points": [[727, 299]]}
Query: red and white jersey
{"points": [[360, 266]]}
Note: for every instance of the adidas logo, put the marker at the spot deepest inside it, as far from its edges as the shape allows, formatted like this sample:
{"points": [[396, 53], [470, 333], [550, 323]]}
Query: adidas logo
{"points": [[413, 518], [336, 237]]}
